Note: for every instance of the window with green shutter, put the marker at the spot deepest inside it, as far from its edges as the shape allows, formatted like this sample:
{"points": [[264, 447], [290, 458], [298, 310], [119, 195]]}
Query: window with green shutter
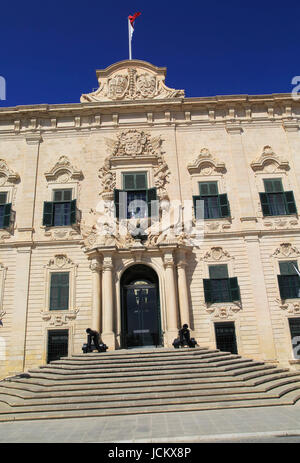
{"points": [[289, 280], [61, 211], [276, 201], [136, 200], [59, 291], [219, 287], [5, 211], [215, 205]]}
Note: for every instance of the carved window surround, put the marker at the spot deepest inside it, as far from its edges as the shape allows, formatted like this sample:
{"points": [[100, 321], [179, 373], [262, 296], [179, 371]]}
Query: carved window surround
{"points": [[63, 175], [286, 252], [60, 263], [205, 165], [134, 150], [220, 310]]}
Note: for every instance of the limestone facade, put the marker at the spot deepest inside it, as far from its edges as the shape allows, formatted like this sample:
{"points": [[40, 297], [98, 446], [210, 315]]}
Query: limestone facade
{"points": [[135, 123]]}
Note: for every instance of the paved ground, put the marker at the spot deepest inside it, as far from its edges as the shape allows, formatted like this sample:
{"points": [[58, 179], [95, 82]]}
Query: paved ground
{"points": [[247, 425]]}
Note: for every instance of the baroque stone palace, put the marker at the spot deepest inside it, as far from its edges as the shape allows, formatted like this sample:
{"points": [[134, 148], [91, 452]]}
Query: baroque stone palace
{"points": [[64, 263]]}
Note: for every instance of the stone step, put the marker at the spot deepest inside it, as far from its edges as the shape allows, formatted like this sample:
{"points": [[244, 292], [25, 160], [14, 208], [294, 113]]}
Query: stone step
{"points": [[223, 365], [7, 415], [147, 375], [144, 353], [87, 403], [149, 365], [146, 392], [143, 361]]}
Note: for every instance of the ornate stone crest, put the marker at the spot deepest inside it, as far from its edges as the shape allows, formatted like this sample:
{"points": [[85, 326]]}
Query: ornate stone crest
{"points": [[131, 80], [130, 144]]}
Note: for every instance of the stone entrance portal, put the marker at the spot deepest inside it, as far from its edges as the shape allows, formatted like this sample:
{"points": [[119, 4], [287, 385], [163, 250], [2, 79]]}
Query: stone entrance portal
{"points": [[141, 325]]}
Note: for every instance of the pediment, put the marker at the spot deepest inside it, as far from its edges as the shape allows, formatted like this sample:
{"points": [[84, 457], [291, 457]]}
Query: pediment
{"points": [[206, 164], [63, 171], [270, 162], [131, 80]]}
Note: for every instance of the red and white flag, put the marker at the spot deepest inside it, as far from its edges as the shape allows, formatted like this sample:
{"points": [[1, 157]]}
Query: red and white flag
{"points": [[131, 20]]}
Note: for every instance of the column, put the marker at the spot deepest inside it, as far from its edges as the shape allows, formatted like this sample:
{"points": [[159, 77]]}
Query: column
{"points": [[183, 290], [171, 300], [17, 344], [96, 269], [239, 163], [264, 322], [108, 336]]}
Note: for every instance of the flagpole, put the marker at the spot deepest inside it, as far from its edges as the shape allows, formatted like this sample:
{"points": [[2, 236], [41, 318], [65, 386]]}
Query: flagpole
{"points": [[129, 40]]}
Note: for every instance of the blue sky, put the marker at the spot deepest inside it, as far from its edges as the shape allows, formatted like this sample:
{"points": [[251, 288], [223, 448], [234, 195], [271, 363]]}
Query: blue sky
{"points": [[50, 50]]}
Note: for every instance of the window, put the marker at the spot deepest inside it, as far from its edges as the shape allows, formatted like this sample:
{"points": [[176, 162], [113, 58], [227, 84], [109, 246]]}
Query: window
{"points": [[5, 211], [58, 341], [215, 205], [61, 211], [59, 291], [219, 287], [276, 201], [136, 200], [289, 280]]}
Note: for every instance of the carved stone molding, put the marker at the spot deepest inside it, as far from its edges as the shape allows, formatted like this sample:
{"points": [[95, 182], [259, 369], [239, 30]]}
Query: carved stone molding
{"points": [[286, 250], [291, 307], [217, 254], [57, 234], [206, 164], [63, 171], [7, 175], [59, 318], [61, 261], [269, 162], [132, 145], [223, 311], [131, 80]]}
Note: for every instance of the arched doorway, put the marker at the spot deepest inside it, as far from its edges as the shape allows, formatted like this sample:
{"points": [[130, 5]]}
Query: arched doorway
{"points": [[141, 324]]}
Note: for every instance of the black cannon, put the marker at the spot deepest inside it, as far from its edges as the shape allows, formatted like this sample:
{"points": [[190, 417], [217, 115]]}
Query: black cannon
{"points": [[93, 342], [184, 338]]}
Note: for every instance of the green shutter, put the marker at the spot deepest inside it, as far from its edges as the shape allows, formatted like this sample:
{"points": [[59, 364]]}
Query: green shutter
{"points": [[273, 185], [153, 203], [128, 182], [234, 289], [73, 212], [7, 214], [48, 214], [208, 188], [135, 181], [224, 205], [198, 207], [59, 291], [141, 181], [117, 202], [282, 286], [286, 267], [207, 290], [265, 204], [218, 271], [290, 202]]}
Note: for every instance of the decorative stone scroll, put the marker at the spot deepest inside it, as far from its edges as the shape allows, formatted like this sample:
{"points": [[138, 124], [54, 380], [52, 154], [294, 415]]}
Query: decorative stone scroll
{"points": [[7, 175], [134, 145], [286, 250], [206, 164], [269, 162], [131, 80], [63, 171]]}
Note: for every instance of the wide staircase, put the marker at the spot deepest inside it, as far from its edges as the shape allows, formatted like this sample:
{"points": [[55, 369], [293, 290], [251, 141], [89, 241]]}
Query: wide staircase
{"points": [[145, 381]]}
